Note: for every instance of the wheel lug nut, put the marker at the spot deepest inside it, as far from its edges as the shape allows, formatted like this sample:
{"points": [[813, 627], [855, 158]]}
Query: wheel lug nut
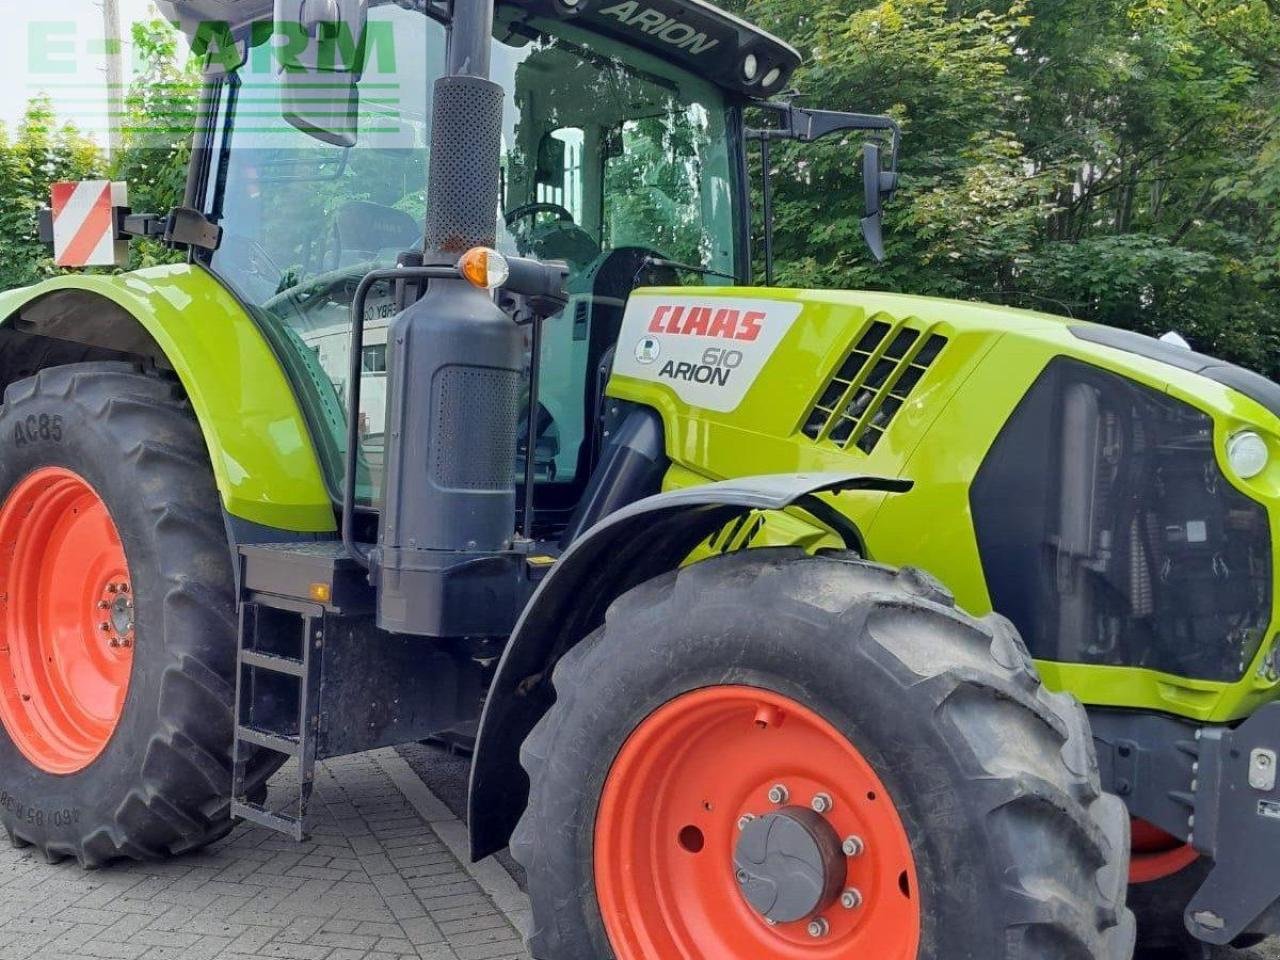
{"points": [[822, 803], [112, 588], [103, 605], [741, 876], [853, 846], [851, 899], [818, 927], [779, 794], [124, 588], [104, 627], [744, 820]]}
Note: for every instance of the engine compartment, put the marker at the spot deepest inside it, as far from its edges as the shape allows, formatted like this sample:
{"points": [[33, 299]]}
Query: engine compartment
{"points": [[1110, 535]]}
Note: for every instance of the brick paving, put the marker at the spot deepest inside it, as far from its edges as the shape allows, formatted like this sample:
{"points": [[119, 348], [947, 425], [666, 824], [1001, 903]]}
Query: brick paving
{"points": [[381, 879]]}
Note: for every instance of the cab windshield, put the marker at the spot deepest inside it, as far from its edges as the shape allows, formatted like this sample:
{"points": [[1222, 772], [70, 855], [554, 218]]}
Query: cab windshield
{"points": [[614, 161]]}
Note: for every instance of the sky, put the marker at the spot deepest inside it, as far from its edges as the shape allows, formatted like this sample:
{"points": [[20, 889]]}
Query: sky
{"points": [[55, 47]]}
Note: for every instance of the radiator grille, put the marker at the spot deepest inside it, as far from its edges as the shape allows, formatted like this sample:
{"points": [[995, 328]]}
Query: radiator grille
{"points": [[869, 388]]}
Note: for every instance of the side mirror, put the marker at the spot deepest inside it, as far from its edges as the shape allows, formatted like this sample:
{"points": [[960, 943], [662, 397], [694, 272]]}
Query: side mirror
{"points": [[806, 126], [879, 185], [321, 66]]}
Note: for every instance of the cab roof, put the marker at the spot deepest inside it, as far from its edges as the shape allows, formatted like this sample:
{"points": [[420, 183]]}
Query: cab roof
{"points": [[696, 34]]}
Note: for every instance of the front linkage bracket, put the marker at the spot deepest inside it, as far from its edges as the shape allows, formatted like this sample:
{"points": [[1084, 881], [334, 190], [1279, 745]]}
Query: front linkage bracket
{"points": [[1237, 824]]}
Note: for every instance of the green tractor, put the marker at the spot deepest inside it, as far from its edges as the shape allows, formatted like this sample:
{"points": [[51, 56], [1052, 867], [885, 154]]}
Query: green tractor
{"points": [[462, 419]]}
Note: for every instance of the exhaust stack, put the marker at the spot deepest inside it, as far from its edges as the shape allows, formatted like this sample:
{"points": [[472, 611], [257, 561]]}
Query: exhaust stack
{"points": [[466, 141]]}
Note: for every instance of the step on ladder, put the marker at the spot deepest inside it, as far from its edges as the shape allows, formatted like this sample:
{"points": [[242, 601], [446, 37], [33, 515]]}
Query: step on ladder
{"points": [[278, 676], [317, 679]]}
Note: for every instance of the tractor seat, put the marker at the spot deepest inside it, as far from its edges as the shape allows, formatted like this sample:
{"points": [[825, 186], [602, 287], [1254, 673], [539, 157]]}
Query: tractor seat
{"points": [[365, 232]]}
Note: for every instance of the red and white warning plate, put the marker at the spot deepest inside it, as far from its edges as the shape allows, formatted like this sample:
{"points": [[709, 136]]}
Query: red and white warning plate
{"points": [[84, 224]]}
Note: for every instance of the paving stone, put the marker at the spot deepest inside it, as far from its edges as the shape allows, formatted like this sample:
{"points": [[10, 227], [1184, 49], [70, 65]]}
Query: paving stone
{"points": [[375, 883]]}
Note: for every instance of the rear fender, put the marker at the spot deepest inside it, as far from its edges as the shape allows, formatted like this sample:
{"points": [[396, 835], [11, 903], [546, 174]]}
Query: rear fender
{"points": [[629, 547], [180, 318]]}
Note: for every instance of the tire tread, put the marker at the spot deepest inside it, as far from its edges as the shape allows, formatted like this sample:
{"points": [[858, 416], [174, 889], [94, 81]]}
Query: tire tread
{"points": [[181, 800], [979, 673]]}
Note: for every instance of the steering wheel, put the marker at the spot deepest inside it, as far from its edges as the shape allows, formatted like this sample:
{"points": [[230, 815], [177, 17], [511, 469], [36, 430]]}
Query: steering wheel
{"points": [[310, 291], [526, 210]]}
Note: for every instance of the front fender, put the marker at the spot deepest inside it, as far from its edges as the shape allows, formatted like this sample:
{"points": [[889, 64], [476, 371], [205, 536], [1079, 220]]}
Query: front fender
{"points": [[264, 460], [631, 546]]}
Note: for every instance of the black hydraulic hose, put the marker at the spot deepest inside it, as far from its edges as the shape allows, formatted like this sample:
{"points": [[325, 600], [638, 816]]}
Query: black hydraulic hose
{"points": [[355, 550], [531, 441]]}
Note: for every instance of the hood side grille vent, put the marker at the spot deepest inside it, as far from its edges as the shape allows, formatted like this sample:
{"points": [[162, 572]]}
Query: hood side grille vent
{"points": [[871, 385]]}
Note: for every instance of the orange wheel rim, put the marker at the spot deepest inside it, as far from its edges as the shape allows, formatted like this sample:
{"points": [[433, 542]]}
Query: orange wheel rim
{"points": [[680, 800], [66, 621], [1156, 854]]}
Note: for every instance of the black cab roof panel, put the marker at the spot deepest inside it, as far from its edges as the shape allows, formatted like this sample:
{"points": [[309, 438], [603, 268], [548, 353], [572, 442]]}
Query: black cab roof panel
{"points": [[694, 33], [1253, 385], [701, 37]]}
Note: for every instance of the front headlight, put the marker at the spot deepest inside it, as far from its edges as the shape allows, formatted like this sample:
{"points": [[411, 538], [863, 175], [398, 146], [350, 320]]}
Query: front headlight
{"points": [[1247, 454]]}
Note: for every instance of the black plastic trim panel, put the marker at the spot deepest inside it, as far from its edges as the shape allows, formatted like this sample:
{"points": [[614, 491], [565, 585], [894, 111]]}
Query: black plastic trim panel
{"points": [[1252, 385]]}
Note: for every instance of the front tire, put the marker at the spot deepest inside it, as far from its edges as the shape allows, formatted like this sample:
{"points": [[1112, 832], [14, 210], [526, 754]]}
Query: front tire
{"points": [[117, 621], [973, 792]]}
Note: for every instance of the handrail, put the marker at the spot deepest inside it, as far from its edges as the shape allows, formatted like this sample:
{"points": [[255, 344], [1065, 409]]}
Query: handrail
{"points": [[354, 549]]}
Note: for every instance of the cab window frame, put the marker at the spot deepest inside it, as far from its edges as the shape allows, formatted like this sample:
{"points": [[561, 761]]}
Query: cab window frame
{"points": [[205, 191]]}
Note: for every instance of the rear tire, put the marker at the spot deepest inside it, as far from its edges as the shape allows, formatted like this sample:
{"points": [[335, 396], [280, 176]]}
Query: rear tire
{"points": [[160, 782], [1017, 853]]}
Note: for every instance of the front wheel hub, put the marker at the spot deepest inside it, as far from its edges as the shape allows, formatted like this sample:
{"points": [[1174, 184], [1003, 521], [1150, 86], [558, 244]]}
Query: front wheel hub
{"points": [[694, 858], [790, 864]]}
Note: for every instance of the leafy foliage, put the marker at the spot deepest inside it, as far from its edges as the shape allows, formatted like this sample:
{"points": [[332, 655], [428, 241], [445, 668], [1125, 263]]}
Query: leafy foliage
{"points": [[1116, 160], [157, 127], [35, 156], [157, 124]]}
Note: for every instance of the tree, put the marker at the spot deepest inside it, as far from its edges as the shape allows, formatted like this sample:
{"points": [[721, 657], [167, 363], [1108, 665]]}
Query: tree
{"points": [[1116, 160], [41, 153], [155, 137], [157, 130]]}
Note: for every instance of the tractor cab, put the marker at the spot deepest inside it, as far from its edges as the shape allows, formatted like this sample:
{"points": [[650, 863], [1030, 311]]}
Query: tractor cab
{"points": [[622, 156], [347, 480]]}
